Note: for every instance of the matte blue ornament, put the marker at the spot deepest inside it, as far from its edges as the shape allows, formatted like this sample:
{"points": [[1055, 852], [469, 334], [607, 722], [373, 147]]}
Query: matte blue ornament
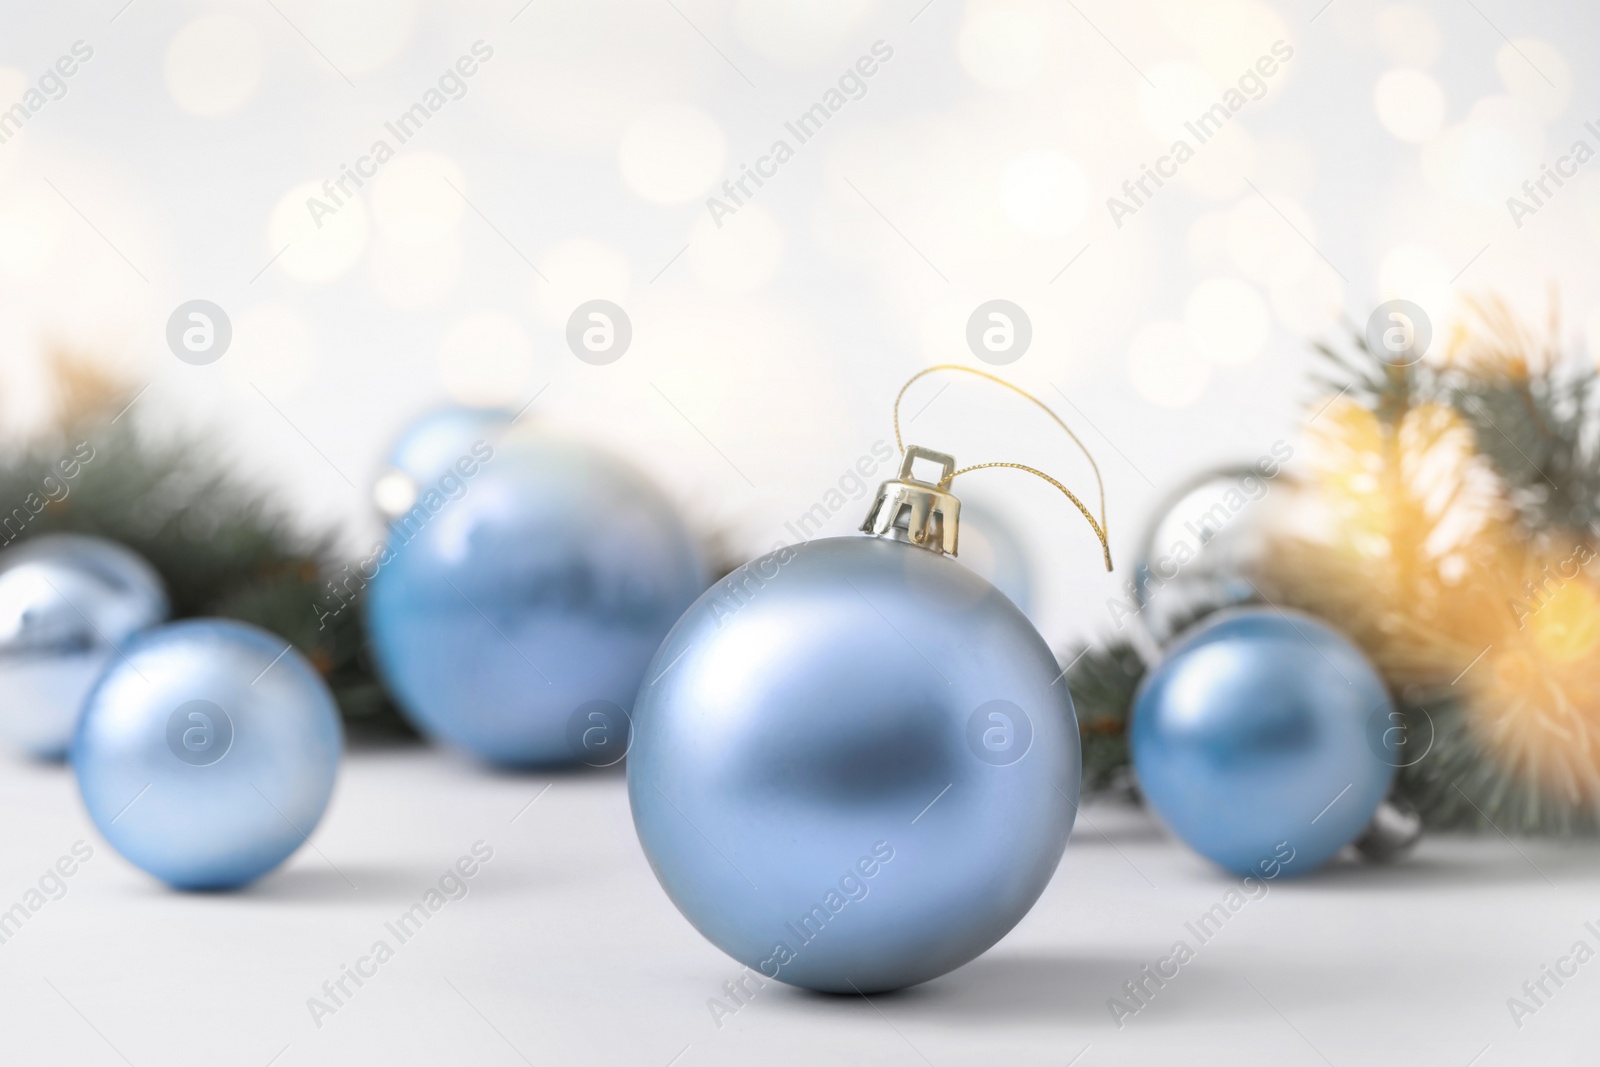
{"points": [[434, 449], [856, 765], [1263, 741], [66, 603], [208, 752], [516, 619]]}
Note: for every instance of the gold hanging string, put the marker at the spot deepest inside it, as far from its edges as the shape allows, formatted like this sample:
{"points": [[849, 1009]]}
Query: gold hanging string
{"points": [[1099, 527]]}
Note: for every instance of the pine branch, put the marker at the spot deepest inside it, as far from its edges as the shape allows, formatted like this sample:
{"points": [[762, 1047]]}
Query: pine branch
{"points": [[1509, 745], [1103, 682], [222, 546], [1453, 490]]}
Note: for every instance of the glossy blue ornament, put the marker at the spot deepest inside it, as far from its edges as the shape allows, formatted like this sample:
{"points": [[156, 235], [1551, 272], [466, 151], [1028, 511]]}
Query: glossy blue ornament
{"points": [[67, 602], [1264, 735], [207, 752], [515, 620], [434, 448], [855, 767]]}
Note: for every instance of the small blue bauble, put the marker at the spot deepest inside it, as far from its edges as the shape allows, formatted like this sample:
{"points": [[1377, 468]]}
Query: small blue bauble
{"points": [[207, 752], [1262, 736], [855, 767], [435, 448], [515, 621], [66, 603]]}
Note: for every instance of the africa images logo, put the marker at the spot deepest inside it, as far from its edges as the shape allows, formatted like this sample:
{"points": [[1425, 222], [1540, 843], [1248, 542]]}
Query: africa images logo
{"points": [[199, 733]]}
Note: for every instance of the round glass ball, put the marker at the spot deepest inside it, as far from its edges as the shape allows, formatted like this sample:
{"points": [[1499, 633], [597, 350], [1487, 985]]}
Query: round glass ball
{"points": [[516, 619], [67, 603], [1262, 741], [207, 753], [856, 765]]}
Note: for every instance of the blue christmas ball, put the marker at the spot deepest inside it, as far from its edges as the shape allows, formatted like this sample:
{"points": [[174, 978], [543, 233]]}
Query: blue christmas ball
{"points": [[433, 449], [515, 620], [992, 547], [1262, 740], [855, 765], [67, 602], [207, 752]]}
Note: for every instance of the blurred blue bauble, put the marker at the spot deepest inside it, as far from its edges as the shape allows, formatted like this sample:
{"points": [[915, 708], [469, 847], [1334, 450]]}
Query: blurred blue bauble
{"points": [[437, 446], [855, 767], [515, 620], [1264, 735], [67, 602], [207, 753], [991, 546]]}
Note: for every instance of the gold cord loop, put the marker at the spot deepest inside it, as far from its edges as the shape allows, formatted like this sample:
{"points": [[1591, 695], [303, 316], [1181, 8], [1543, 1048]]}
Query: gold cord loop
{"points": [[1099, 527]]}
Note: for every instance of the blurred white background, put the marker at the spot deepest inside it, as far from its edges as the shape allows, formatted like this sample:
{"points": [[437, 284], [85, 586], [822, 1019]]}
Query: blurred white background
{"points": [[976, 166]]}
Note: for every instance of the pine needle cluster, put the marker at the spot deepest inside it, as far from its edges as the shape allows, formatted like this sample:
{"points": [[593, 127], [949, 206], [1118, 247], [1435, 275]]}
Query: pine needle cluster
{"points": [[222, 546], [1458, 512]]}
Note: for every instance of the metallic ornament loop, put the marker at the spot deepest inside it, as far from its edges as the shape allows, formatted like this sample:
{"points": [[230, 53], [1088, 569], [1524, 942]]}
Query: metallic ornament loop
{"points": [[918, 512], [1099, 527]]}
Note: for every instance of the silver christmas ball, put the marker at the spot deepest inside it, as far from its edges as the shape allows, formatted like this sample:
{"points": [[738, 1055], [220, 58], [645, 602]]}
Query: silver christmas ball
{"points": [[1202, 548], [1395, 829], [67, 604]]}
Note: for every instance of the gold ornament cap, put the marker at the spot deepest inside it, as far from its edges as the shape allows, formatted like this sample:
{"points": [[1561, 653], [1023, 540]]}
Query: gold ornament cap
{"points": [[919, 513]]}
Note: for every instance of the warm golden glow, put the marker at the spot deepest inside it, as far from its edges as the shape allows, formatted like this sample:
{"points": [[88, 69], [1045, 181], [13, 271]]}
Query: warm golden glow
{"points": [[1566, 628], [1541, 721], [1441, 486], [1421, 560]]}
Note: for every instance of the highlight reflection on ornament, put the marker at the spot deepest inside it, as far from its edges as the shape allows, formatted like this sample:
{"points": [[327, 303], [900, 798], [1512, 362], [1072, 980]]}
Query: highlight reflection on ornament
{"points": [[67, 603], [430, 449]]}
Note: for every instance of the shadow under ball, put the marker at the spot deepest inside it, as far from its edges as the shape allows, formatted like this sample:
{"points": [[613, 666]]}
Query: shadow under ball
{"points": [[1263, 733], [66, 603], [515, 620], [854, 768], [207, 753]]}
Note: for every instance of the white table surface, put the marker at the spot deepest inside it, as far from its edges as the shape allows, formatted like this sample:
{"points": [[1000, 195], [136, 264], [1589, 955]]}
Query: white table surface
{"points": [[565, 951]]}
